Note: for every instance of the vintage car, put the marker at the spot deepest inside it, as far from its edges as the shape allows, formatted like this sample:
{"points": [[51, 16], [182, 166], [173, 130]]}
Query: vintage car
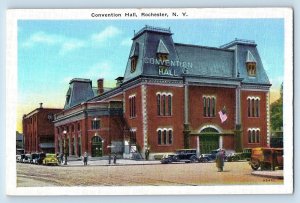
{"points": [[26, 158], [33, 158], [38, 158], [181, 155], [266, 158], [167, 158], [50, 159], [246, 154]]}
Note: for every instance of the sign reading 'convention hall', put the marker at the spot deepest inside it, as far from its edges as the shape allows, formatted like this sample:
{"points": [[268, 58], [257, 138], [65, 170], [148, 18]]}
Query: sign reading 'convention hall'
{"points": [[165, 66]]}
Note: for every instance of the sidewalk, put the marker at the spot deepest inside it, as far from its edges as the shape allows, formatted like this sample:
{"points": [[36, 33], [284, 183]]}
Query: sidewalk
{"points": [[278, 174], [104, 162]]}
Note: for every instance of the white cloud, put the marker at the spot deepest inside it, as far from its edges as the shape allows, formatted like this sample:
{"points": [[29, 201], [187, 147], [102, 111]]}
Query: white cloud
{"points": [[107, 33], [42, 38], [126, 42], [65, 44], [70, 45]]}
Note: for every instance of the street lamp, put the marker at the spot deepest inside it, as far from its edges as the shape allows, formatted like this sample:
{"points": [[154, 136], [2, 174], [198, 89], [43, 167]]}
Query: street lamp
{"points": [[65, 147]]}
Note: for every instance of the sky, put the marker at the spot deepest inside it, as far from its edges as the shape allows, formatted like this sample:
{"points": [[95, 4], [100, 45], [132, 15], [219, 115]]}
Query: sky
{"points": [[52, 52]]}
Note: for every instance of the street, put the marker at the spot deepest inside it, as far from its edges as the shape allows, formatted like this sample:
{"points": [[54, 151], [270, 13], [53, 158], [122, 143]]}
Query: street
{"points": [[29, 175]]}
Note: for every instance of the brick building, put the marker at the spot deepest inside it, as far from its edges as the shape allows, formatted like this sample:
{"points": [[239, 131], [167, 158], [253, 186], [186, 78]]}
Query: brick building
{"points": [[38, 130], [172, 96]]}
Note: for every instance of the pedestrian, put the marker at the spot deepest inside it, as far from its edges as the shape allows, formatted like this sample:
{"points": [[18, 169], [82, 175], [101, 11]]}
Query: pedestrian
{"points": [[85, 158], [109, 158], [61, 158], [115, 158], [220, 160]]}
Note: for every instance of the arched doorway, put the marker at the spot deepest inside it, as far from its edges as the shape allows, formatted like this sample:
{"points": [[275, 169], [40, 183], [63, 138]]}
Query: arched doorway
{"points": [[209, 140], [96, 146]]}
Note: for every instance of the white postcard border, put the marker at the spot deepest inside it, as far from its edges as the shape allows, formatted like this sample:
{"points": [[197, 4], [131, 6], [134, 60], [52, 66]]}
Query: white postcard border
{"points": [[204, 13]]}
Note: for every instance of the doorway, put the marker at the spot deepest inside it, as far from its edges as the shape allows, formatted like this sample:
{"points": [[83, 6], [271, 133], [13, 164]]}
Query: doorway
{"points": [[96, 146], [209, 140]]}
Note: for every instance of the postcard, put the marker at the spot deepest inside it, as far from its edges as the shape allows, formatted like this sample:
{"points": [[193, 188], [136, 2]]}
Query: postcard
{"points": [[149, 101]]}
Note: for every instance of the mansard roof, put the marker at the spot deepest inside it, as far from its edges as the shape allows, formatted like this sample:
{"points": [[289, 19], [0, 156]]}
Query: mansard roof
{"points": [[228, 61], [79, 91]]}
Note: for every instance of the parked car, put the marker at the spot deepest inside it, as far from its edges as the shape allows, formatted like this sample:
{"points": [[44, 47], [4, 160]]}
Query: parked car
{"points": [[33, 158], [246, 154], [50, 159], [26, 158], [18, 158], [167, 158], [266, 158], [39, 157], [181, 155]]}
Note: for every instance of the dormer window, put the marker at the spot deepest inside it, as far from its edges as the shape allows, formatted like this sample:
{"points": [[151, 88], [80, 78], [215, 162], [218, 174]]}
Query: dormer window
{"points": [[133, 61], [251, 68], [134, 57], [162, 53], [251, 64]]}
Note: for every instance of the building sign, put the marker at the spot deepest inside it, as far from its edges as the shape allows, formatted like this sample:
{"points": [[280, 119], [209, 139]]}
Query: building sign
{"points": [[165, 66]]}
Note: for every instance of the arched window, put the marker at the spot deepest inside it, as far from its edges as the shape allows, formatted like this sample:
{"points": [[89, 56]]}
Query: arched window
{"points": [[249, 107], [249, 136], [257, 108], [169, 105], [170, 137], [158, 104], [165, 137], [204, 107], [159, 137], [213, 106], [164, 104], [253, 107], [257, 137]]}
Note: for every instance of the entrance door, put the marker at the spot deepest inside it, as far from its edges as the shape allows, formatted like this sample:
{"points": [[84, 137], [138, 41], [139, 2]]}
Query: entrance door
{"points": [[96, 146], [209, 140]]}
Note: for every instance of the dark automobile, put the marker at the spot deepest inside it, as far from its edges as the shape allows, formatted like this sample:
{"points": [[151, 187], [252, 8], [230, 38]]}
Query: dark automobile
{"points": [[246, 154], [185, 155], [208, 157], [181, 155], [33, 158], [167, 158], [39, 157]]}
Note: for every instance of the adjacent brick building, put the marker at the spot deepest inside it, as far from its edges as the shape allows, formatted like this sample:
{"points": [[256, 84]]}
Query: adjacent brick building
{"points": [[172, 96], [38, 130]]}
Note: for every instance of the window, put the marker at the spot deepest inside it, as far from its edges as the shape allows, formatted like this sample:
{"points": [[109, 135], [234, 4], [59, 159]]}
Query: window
{"points": [[95, 124], [253, 106], [132, 106], [132, 137], [169, 105], [162, 57], [158, 104], [253, 135], [133, 63], [209, 106], [159, 137], [78, 126], [251, 68], [165, 136], [164, 104]]}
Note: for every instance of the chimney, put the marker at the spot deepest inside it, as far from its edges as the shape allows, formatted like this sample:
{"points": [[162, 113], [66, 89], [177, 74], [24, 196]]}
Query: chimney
{"points": [[41, 105], [100, 86]]}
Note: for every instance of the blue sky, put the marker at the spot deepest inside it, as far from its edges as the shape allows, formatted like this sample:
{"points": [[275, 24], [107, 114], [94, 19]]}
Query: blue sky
{"points": [[52, 52]]}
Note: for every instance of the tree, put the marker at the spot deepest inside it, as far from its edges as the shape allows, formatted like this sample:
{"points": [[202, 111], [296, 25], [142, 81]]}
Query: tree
{"points": [[277, 112]]}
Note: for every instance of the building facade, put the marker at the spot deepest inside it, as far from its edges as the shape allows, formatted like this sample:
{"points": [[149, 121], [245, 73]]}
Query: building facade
{"points": [[38, 130], [172, 96]]}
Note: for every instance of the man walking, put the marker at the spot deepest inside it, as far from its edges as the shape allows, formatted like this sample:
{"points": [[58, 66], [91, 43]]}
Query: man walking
{"points": [[220, 160], [85, 158]]}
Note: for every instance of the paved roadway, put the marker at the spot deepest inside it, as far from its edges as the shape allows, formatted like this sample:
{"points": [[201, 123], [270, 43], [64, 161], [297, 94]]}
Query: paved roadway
{"points": [[137, 174]]}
